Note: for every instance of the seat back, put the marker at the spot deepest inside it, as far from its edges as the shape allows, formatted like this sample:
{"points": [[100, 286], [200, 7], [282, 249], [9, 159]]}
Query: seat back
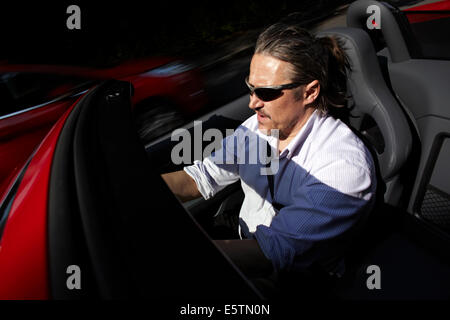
{"points": [[376, 113]]}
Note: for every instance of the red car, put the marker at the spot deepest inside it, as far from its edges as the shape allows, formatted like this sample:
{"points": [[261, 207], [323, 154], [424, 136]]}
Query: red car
{"points": [[34, 97]]}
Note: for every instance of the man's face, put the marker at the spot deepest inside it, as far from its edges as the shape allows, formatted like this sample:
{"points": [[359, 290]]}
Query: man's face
{"points": [[285, 112]]}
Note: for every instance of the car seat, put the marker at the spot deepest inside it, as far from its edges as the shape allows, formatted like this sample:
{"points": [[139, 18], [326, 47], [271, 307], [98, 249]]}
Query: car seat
{"points": [[375, 112]]}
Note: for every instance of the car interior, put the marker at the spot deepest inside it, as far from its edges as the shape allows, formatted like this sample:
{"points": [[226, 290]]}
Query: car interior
{"points": [[398, 107], [140, 230]]}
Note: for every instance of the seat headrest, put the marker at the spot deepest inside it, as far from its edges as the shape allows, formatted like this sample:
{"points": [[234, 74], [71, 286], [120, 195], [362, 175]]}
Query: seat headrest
{"points": [[357, 15]]}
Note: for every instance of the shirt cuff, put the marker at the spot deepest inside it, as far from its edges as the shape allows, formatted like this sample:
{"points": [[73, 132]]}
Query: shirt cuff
{"points": [[205, 184]]}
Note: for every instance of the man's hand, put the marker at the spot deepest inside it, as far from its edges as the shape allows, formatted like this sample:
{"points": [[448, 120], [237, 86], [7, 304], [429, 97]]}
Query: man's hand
{"points": [[182, 185]]}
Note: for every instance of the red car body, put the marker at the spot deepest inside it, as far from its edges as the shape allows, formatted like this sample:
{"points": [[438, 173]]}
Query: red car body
{"points": [[22, 131], [24, 239], [434, 14]]}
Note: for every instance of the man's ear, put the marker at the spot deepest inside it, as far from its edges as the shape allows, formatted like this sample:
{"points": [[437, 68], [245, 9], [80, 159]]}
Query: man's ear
{"points": [[311, 92]]}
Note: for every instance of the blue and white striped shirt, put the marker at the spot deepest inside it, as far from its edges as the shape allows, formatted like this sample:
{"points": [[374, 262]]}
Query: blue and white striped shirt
{"points": [[326, 181]]}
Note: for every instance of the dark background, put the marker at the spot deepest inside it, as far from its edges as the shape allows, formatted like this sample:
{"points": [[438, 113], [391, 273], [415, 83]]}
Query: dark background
{"points": [[114, 31]]}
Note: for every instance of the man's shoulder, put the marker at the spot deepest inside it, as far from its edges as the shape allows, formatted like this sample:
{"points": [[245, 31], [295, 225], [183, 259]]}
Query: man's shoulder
{"points": [[340, 159], [334, 139]]}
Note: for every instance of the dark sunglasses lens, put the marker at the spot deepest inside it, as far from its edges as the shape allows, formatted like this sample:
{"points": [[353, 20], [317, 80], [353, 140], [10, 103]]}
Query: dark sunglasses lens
{"points": [[266, 94]]}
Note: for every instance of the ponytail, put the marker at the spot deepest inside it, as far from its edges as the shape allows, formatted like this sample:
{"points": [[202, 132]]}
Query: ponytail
{"points": [[336, 63]]}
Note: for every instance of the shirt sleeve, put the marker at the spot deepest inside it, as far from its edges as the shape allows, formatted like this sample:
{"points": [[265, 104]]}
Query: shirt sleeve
{"points": [[324, 207], [216, 171]]}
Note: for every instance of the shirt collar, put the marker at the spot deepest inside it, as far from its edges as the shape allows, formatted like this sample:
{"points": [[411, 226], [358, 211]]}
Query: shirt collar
{"points": [[300, 138]]}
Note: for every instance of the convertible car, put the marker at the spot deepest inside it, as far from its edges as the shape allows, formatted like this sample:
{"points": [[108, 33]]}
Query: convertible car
{"points": [[90, 197]]}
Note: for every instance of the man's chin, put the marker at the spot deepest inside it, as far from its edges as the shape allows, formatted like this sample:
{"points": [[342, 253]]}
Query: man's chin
{"points": [[266, 130]]}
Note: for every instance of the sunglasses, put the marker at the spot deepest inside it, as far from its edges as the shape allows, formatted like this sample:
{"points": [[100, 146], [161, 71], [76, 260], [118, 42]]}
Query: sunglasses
{"points": [[270, 93]]}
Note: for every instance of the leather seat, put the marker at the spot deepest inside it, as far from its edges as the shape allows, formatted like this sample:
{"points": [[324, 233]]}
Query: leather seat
{"points": [[377, 115]]}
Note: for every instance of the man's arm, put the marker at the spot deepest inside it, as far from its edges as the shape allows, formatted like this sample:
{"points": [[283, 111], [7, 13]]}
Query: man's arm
{"points": [[182, 185]]}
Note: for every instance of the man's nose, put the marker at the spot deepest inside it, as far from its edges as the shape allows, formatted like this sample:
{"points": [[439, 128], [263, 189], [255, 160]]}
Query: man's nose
{"points": [[255, 102]]}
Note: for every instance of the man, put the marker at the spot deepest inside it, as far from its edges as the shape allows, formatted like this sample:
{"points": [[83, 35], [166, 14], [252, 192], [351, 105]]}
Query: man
{"points": [[325, 183]]}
